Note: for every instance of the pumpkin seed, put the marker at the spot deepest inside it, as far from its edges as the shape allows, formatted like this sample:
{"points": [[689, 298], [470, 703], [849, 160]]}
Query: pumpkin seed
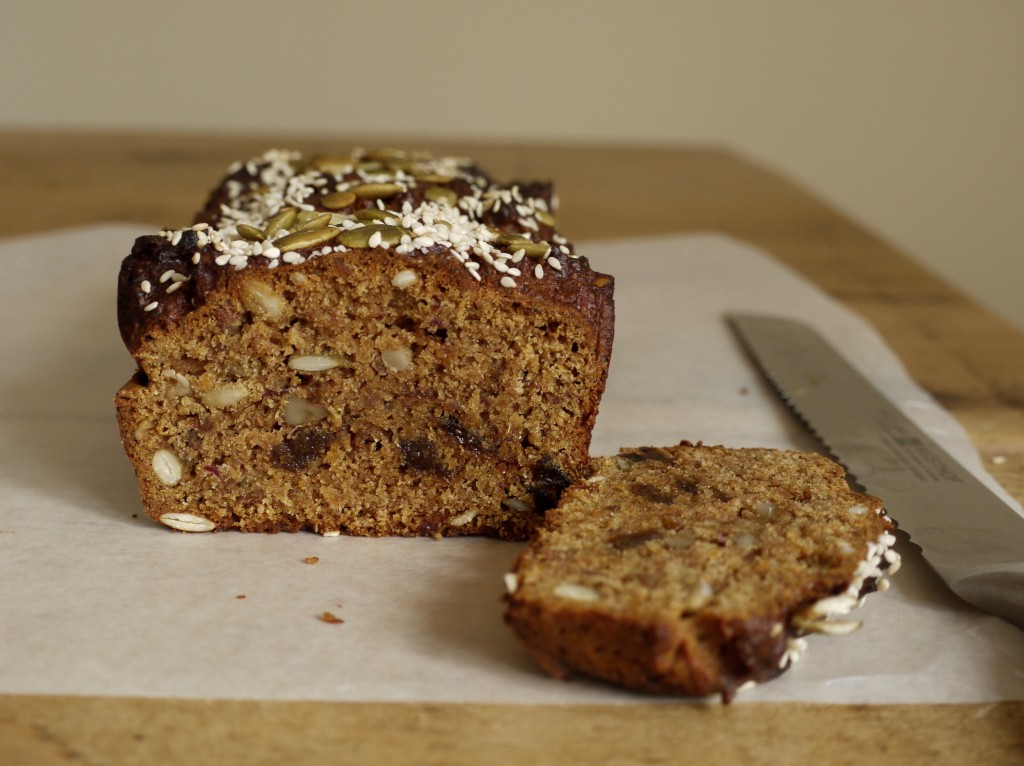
{"points": [[303, 239], [510, 239], [440, 193], [285, 219], [337, 200], [250, 233], [536, 250], [360, 238], [400, 164], [373, 214], [335, 164], [377, 191], [430, 177], [318, 222], [546, 218], [371, 166], [305, 216]]}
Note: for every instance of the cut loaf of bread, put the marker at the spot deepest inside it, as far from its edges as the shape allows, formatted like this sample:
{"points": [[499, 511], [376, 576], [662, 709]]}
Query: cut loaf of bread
{"points": [[376, 344], [694, 569]]}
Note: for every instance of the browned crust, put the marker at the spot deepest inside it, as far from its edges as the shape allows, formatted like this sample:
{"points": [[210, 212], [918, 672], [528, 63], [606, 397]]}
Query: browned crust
{"points": [[575, 285], [153, 255], [695, 656], [211, 296]]}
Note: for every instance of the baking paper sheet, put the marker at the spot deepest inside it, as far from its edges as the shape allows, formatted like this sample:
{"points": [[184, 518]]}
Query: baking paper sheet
{"points": [[96, 600]]}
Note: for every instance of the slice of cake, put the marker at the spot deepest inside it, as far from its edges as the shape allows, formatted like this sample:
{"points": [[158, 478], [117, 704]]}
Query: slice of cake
{"points": [[695, 570], [376, 344]]}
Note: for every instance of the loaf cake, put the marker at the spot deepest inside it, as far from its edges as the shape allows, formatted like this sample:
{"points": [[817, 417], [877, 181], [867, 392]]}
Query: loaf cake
{"points": [[378, 343], [695, 570]]}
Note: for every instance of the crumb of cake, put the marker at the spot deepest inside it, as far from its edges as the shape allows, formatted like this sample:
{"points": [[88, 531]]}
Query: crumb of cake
{"points": [[331, 618], [698, 570], [380, 343], [312, 559]]}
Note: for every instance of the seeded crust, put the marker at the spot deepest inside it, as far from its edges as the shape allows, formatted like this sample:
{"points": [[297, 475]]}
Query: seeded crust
{"points": [[449, 405], [693, 570]]}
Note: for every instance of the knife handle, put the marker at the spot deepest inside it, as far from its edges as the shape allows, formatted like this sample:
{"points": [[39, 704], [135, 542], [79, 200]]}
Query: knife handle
{"points": [[1000, 593]]}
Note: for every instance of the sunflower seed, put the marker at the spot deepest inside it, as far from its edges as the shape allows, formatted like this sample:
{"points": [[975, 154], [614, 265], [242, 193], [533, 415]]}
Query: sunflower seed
{"points": [[167, 467], [262, 301], [398, 359], [405, 278], [186, 522], [312, 362], [224, 396], [297, 411], [575, 592]]}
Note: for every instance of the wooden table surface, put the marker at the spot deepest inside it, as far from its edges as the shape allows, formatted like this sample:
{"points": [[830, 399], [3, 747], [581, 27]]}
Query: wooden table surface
{"points": [[971, 361]]}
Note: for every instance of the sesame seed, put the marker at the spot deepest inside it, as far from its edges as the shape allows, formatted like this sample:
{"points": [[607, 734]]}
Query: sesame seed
{"points": [[284, 180], [150, 306], [145, 286]]}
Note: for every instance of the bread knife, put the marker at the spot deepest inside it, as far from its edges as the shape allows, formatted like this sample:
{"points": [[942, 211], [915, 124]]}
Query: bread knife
{"points": [[967, 534]]}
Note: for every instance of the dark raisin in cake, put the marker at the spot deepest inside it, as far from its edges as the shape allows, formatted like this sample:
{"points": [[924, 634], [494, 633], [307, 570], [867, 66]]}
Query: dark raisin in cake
{"points": [[376, 344], [695, 570]]}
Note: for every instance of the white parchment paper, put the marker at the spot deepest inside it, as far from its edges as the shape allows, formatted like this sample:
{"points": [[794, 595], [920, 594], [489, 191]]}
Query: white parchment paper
{"points": [[95, 600]]}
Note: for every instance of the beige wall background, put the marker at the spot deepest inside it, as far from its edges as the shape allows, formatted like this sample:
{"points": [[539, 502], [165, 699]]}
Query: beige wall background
{"points": [[906, 114]]}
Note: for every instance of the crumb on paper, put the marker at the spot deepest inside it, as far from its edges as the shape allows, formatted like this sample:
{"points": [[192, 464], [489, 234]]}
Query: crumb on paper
{"points": [[240, 596], [998, 459], [312, 559], [744, 391], [331, 618]]}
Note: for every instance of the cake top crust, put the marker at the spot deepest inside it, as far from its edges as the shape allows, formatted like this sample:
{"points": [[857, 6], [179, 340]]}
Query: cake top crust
{"points": [[283, 209]]}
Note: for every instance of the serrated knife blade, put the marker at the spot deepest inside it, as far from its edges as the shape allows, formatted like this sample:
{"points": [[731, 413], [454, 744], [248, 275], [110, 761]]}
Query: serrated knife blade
{"points": [[973, 539]]}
